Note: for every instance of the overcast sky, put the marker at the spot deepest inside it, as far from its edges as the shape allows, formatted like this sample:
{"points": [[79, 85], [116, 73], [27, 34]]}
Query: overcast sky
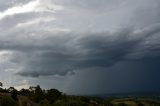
{"points": [[81, 46]]}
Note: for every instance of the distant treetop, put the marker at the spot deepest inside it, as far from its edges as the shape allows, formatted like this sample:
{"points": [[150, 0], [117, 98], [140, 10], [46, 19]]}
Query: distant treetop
{"points": [[1, 84]]}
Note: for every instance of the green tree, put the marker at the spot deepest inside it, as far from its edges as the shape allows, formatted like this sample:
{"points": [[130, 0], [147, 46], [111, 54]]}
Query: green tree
{"points": [[52, 95], [10, 89], [7, 101], [14, 94], [25, 92], [38, 95], [1, 84]]}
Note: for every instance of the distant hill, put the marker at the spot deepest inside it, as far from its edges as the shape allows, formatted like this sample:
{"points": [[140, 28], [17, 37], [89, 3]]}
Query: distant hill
{"points": [[129, 94]]}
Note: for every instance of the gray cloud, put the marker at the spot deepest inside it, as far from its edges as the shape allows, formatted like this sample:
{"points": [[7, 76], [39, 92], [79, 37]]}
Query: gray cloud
{"points": [[68, 53], [108, 41]]}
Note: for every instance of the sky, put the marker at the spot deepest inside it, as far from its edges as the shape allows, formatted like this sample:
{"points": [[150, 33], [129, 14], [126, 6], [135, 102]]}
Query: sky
{"points": [[81, 46]]}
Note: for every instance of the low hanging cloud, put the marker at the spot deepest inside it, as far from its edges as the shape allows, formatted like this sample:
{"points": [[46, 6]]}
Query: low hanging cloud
{"points": [[67, 53]]}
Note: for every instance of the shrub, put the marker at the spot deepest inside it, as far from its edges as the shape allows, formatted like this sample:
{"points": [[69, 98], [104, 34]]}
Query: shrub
{"points": [[7, 101], [14, 95], [44, 102]]}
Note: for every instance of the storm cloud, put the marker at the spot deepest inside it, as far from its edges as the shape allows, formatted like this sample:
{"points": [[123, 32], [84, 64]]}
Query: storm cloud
{"points": [[68, 52], [65, 38]]}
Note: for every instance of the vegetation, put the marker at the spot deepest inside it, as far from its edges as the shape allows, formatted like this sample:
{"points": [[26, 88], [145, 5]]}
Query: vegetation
{"points": [[35, 96]]}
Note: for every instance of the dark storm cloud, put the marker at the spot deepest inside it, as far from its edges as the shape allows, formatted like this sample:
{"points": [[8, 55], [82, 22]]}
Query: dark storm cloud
{"points": [[66, 55], [125, 76], [80, 46], [40, 50]]}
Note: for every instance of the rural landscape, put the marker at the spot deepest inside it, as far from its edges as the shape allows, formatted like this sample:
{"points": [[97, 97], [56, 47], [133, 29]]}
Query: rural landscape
{"points": [[79, 52], [35, 96]]}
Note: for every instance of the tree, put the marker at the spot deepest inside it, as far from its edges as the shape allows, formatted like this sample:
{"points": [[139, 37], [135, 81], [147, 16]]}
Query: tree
{"points": [[38, 95], [24, 92], [14, 94], [10, 89], [53, 94], [32, 89], [1, 84]]}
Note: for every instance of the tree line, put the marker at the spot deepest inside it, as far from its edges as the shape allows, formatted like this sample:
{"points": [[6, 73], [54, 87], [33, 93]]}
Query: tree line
{"points": [[35, 93], [36, 96]]}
